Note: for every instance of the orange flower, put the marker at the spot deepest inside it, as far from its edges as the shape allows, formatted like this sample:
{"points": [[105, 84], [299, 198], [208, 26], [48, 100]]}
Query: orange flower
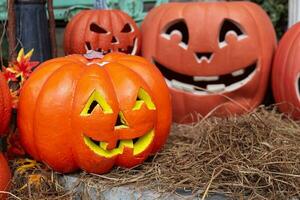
{"points": [[18, 72]]}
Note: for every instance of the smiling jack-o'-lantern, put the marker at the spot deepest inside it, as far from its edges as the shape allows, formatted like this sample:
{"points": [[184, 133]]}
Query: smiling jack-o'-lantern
{"points": [[286, 73], [103, 31], [215, 57], [93, 114], [4, 176], [5, 105]]}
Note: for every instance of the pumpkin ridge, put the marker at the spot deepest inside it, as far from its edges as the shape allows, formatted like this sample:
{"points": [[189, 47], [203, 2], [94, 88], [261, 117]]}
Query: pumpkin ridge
{"points": [[246, 7], [287, 58], [71, 113], [73, 29], [293, 46], [36, 73], [37, 102], [158, 30]]}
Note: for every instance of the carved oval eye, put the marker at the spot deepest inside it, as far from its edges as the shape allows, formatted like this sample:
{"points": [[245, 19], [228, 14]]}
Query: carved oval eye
{"points": [[127, 28], [97, 29], [230, 27], [143, 98], [180, 29], [96, 100]]}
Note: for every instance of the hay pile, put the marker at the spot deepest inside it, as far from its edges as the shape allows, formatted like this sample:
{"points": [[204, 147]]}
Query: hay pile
{"points": [[255, 156]]}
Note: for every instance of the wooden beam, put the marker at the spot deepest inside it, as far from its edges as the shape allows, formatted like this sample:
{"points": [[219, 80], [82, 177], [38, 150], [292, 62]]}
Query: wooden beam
{"points": [[294, 12], [11, 30], [52, 29]]}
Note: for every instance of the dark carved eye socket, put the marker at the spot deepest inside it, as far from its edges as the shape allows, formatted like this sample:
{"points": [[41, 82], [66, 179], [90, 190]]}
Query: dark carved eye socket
{"points": [[127, 28], [92, 107], [97, 29], [229, 27], [178, 27]]}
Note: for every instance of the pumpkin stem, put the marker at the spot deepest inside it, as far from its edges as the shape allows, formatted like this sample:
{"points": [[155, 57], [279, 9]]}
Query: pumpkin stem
{"points": [[100, 4]]}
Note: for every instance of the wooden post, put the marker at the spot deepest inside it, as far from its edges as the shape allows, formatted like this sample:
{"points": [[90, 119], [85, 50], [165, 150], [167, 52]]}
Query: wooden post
{"points": [[294, 12], [11, 30], [52, 29]]}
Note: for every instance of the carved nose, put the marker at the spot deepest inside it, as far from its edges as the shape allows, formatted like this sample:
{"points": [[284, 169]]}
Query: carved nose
{"points": [[200, 56], [114, 40]]}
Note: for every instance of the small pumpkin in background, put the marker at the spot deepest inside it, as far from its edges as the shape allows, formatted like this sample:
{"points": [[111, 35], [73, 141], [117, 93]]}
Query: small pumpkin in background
{"points": [[286, 73], [94, 113], [5, 105], [215, 56], [102, 30], [5, 176]]}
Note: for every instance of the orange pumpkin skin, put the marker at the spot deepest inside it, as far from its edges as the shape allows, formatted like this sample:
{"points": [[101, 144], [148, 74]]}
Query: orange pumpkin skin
{"points": [[5, 105], [203, 45], [286, 73], [102, 30], [5, 176], [53, 121]]}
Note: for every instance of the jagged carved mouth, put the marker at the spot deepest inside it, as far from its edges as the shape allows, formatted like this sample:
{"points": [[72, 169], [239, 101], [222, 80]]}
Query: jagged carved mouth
{"points": [[131, 49], [204, 85], [138, 145]]}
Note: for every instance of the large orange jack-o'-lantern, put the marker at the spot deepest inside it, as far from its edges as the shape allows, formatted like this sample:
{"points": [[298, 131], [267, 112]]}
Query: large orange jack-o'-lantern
{"points": [[4, 176], [214, 56], [101, 30], [286, 73], [93, 114]]}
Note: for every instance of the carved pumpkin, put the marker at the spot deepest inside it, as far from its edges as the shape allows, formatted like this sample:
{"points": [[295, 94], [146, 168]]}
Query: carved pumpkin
{"points": [[215, 57], [93, 114], [5, 105], [4, 176], [103, 31], [286, 73]]}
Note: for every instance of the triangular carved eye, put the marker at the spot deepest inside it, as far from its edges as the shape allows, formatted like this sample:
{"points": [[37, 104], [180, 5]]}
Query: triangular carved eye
{"points": [[127, 28], [97, 29], [96, 100], [143, 98]]}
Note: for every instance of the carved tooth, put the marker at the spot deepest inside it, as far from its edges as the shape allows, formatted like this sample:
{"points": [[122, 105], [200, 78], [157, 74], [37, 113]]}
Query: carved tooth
{"points": [[199, 92], [241, 37], [239, 84], [103, 145], [168, 82], [215, 87], [135, 47], [238, 72], [223, 44], [234, 86], [182, 86], [206, 78]]}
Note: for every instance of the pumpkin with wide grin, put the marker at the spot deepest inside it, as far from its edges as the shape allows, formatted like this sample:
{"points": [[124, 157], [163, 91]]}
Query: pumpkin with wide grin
{"points": [[100, 112], [215, 56]]}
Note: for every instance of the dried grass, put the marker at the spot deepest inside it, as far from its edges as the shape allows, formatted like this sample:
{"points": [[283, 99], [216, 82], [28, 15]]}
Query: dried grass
{"points": [[255, 156]]}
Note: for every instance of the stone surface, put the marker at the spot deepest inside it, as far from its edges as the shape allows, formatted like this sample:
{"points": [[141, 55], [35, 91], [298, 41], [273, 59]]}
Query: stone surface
{"points": [[127, 192]]}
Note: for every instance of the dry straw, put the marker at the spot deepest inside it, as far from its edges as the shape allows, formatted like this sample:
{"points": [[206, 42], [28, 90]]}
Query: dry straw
{"points": [[255, 156]]}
